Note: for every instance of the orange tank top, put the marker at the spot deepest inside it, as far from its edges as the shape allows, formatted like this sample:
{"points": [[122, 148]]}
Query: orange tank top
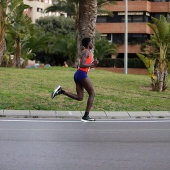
{"points": [[88, 61]]}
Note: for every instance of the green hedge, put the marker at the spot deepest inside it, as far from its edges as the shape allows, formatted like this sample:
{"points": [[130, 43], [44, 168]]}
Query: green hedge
{"points": [[119, 63], [136, 63], [107, 62]]}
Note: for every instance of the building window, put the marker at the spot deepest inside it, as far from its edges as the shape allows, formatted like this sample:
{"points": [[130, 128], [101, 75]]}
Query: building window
{"points": [[137, 38], [129, 18], [138, 18], [132, 38], [48, 1], [118, 38], [132, 17], [157, 15], [159, 0], [39, 10], [101, 19], [109, 37]]}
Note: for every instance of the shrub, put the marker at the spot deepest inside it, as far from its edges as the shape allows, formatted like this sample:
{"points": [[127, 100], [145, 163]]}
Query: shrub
{"points": [[119, 63], [107, 62]]}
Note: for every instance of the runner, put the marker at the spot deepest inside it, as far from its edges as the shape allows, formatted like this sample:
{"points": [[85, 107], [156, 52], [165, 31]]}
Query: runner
{"points": [[81, 79]]}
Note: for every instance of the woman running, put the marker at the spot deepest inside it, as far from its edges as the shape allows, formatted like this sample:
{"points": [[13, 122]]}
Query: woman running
{"points": [[81, 79]]}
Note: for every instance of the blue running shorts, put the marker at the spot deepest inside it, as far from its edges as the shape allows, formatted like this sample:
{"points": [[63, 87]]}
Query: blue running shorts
{"points": [[79, 76]]}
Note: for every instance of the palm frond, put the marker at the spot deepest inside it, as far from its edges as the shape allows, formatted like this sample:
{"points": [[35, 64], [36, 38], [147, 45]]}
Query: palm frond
{"points": [[14, 4], [149, 63], [162, 27], [101, 3], [54, 8], [3, 4], [104, 11]]}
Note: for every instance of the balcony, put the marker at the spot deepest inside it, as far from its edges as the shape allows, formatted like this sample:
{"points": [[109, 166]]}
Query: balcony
{"points": [[120, 28], [131, 49], [141, 6]]}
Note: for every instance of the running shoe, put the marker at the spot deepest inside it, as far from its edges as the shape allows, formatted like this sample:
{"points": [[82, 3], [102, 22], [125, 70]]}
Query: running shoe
{"points": [[87, 119], [57, 91]]}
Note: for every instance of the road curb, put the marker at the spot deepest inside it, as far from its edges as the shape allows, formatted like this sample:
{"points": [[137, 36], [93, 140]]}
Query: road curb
{"points": [[78, 114]]}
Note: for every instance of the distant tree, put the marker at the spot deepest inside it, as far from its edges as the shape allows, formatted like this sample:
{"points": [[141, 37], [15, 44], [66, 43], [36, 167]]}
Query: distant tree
{"points": [[38, 42], [56, 25], [104, 48], [66, 45]]}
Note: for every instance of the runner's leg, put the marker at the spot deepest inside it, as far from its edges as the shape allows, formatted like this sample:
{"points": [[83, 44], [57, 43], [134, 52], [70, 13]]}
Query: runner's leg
{"points": [[80, 93], [86, 83]]}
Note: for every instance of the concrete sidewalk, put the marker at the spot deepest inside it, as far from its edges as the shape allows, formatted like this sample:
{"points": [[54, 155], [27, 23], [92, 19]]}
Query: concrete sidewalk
{"points": [[106, 115]]}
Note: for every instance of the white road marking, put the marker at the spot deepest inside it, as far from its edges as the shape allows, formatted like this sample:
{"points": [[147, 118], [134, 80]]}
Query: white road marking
{"points": [[78, 121], [70, 113], [89, 131]]}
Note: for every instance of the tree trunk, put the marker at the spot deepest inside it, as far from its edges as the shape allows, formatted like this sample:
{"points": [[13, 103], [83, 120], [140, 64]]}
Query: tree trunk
{"points": [[87, 21], [1, 51], [2, 35], [160, 83], [18, 51], [162, 76]]}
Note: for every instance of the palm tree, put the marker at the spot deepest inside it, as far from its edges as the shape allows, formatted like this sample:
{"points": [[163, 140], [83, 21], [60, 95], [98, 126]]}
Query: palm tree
{"points": [[87, 20], [3, 8], [75, 8], [71, 7], [159, 69], [32, 44], [13, 22], [19, 25]]}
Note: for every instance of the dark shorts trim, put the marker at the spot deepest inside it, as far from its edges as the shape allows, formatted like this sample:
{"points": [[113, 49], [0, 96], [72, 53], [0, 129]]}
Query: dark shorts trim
{"points": [[79, 76]]}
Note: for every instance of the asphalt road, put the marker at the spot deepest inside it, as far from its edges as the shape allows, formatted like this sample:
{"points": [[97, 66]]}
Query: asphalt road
{"points": [[73, 145]]}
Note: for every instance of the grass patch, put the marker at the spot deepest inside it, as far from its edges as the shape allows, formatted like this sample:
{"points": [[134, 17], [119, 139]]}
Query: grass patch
{"points": [[30, 89]]}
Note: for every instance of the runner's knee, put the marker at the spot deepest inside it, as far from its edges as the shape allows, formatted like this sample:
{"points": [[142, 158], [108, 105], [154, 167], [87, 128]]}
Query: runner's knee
{"points": [[92, 94], [80, 98]]}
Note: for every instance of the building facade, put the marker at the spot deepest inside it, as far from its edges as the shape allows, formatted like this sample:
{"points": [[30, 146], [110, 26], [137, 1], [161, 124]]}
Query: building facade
{"points": [[37, 8], [139, 13]]}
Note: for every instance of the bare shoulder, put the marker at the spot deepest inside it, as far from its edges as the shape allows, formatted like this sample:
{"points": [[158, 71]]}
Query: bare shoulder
{"points": [[85, 53]]}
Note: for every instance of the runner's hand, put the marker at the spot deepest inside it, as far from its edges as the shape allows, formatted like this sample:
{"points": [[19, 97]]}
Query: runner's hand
{"points": [[95, 62]]}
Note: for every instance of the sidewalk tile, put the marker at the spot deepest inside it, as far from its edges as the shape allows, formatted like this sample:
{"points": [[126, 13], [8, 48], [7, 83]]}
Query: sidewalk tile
{"points": [[16, 113], [1, 112], [68, 114], [140, 114], [160, 113], [42, 113], [114, 115], [97, 114]]}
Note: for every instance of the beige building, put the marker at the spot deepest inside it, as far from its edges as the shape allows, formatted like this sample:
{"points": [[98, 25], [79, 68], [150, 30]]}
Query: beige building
{"points": [[37, 8]]}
